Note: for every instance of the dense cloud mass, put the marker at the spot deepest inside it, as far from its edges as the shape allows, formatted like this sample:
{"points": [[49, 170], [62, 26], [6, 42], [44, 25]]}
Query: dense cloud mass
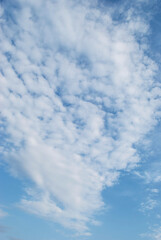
{"points": [[77, 96]]}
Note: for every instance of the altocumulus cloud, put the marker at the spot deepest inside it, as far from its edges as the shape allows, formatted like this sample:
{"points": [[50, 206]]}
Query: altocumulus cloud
{"points": [[77, 96]]}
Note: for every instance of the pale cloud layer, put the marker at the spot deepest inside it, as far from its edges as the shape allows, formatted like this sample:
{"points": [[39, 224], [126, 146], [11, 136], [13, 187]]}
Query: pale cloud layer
{"points": [[77, 96]]}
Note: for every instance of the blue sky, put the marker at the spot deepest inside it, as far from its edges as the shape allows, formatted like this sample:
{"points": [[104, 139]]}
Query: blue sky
{"points": [[80, 120]]}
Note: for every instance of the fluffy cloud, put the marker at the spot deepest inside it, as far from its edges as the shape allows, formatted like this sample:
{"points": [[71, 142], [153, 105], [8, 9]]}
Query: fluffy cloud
{"points": [[77, 96]]}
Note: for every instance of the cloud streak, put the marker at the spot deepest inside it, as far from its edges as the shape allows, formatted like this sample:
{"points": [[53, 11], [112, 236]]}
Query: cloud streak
{"points": [[77, 96]]}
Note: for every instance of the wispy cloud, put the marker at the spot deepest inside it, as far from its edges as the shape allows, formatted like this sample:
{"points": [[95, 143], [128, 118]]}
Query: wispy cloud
{"points": [[77, 95], [149, 204], [152, 174], [157, 234], [2, 213], [153, 234]]}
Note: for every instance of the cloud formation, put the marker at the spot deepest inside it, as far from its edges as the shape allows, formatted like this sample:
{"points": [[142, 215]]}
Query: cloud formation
{"points": [[148, 205], [77, 96], [153, 234]]}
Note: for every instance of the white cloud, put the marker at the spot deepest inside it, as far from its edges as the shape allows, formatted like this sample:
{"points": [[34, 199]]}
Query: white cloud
{"points": [[77, 96], [157, 234], [152, 174], [153, 234], [155, 190], [149, 204]]}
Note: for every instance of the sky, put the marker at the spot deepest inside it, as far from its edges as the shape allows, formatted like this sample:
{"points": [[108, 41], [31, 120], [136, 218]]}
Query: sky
{"points": [[80, 120]]}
